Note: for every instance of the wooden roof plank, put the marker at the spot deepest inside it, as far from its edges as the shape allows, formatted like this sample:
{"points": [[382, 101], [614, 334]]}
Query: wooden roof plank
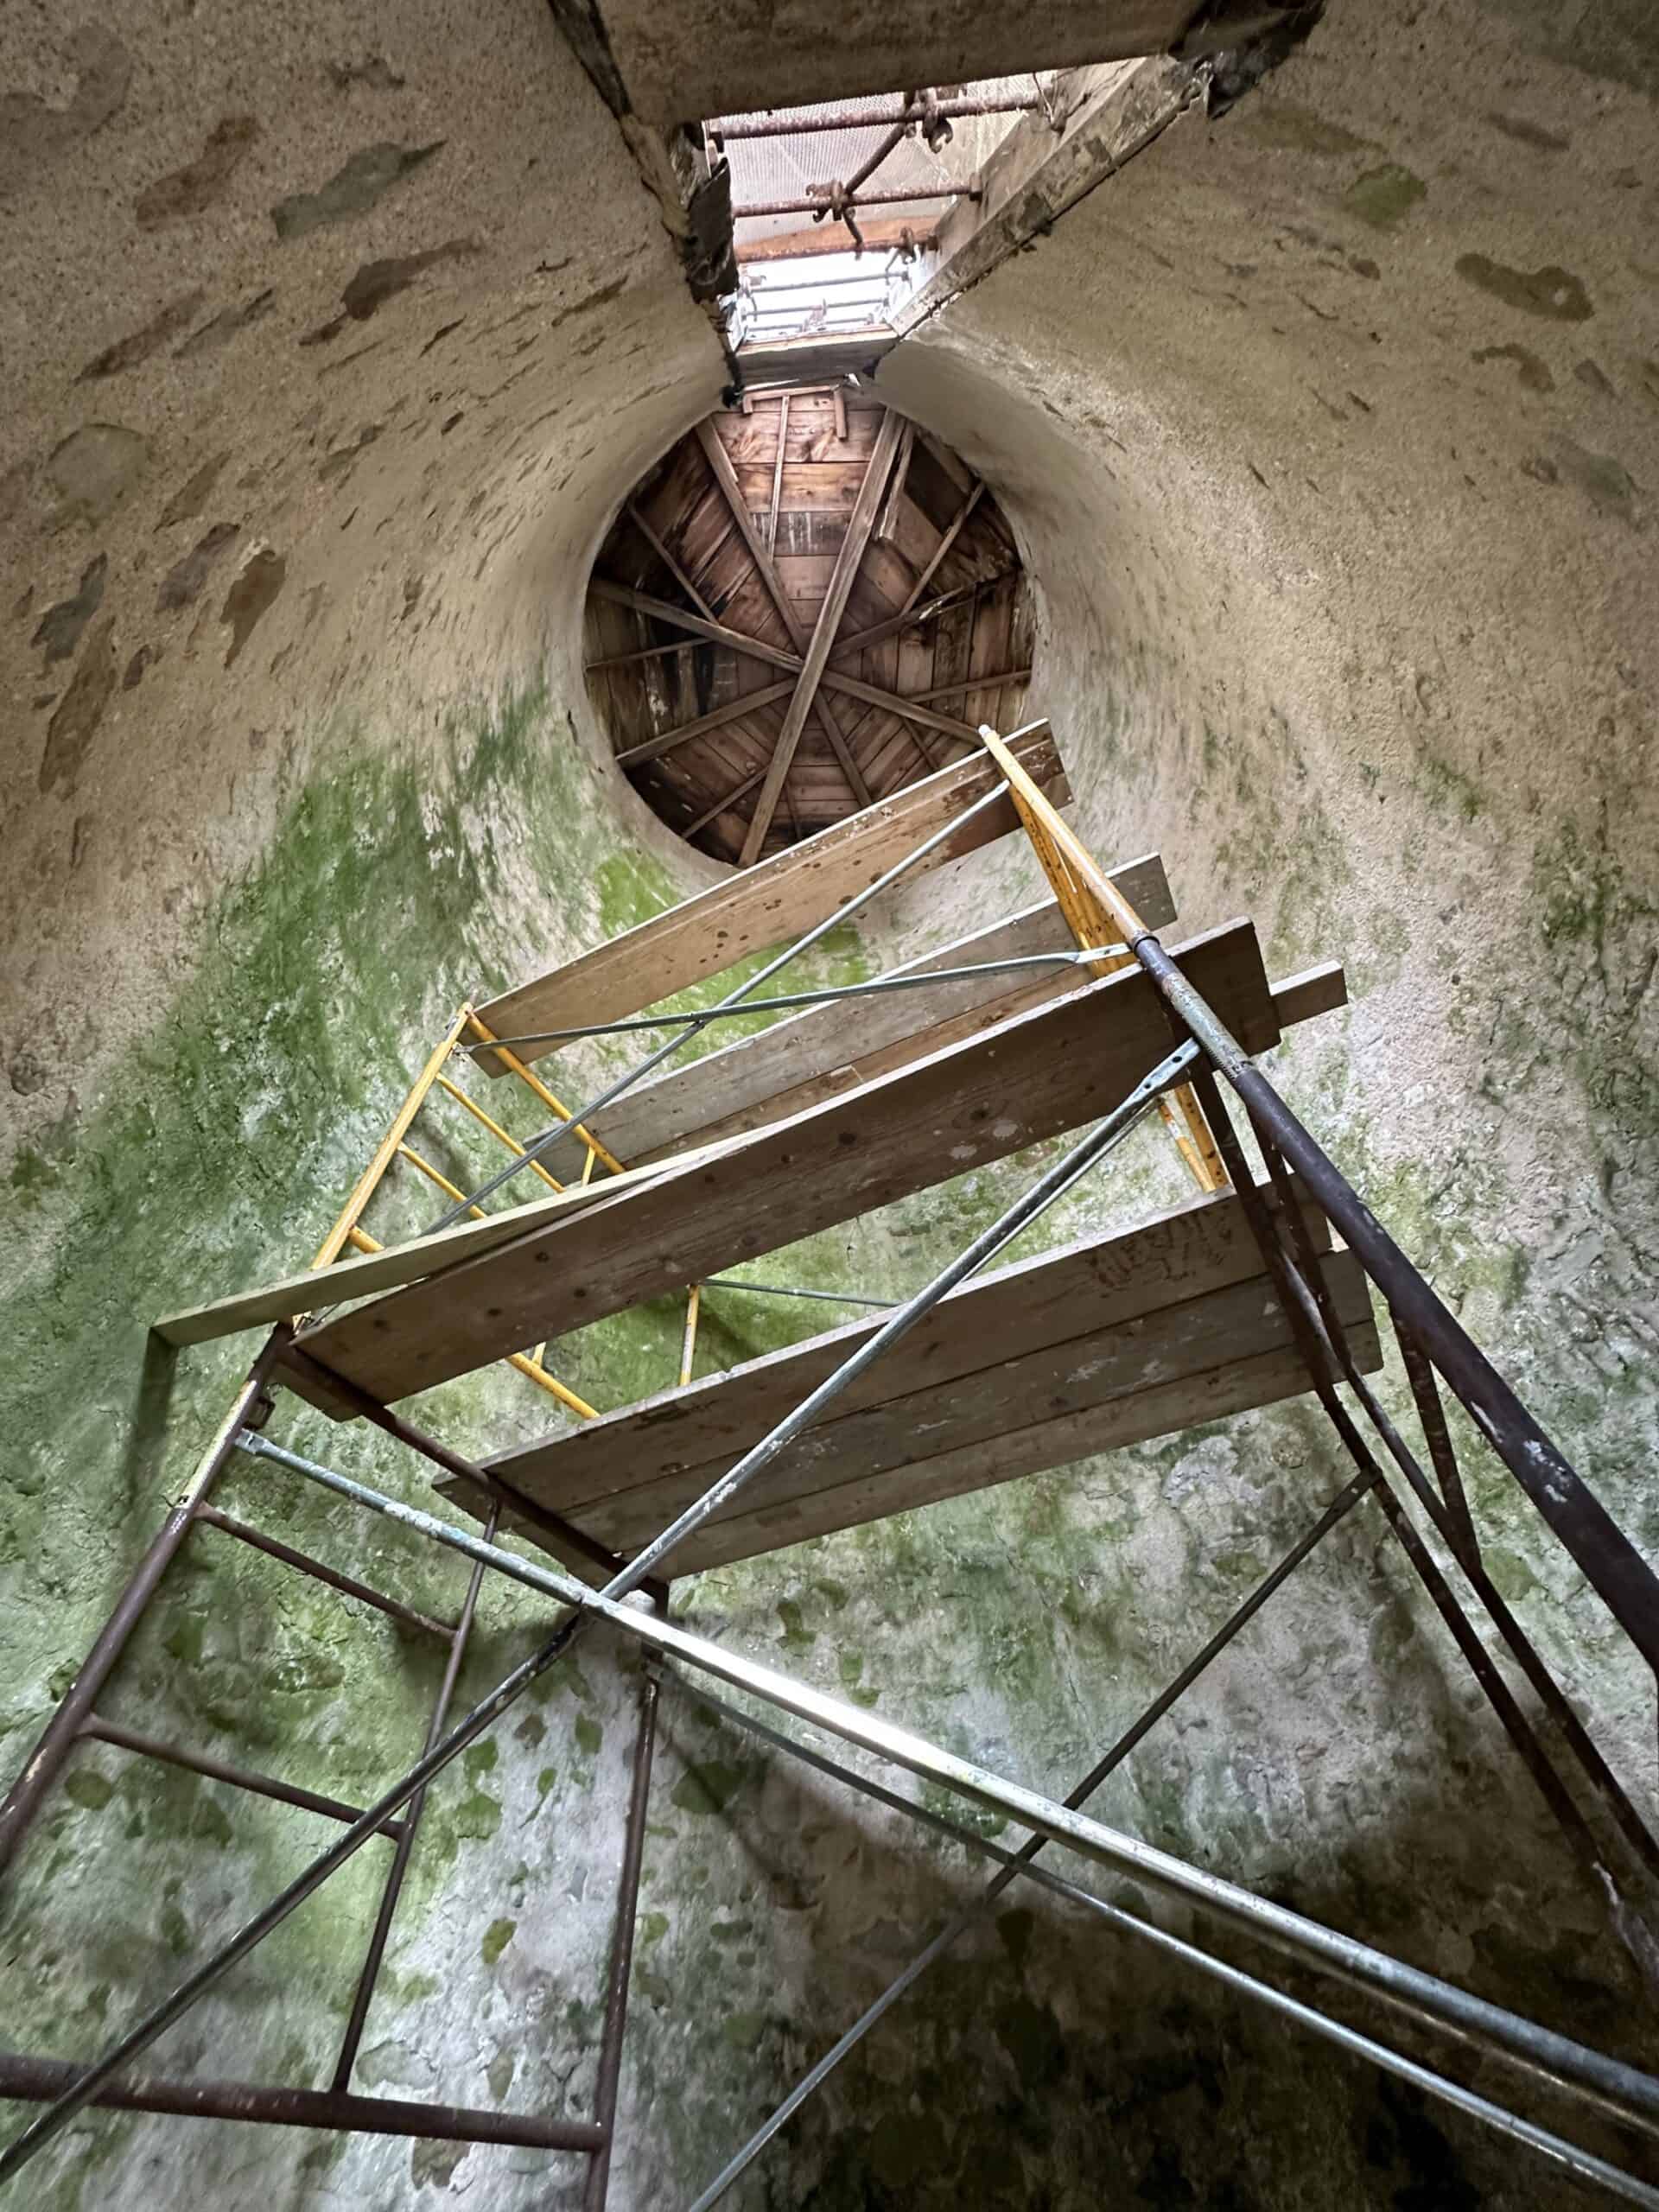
{"points": [[1032, 1076], [765, 904], [860, 524]]}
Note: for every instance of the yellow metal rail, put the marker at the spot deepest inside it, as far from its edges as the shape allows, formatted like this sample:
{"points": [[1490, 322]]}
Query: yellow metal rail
{"points": [[1096, 913], [348, 1229]]}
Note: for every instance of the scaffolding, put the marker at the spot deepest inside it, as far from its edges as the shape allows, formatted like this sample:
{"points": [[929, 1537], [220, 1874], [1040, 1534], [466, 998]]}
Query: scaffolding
{"points": [[1073, 1016]]}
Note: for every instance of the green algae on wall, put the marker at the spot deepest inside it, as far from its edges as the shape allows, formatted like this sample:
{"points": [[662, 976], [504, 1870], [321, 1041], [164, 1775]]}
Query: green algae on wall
{"points": [[392, 886]]}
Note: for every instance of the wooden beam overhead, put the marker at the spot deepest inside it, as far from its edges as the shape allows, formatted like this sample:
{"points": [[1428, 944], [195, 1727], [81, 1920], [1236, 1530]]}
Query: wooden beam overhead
{"points": [[778, 473], [887, 521], [726, 476], [758, 532], [668, 560], [724, 804], [860, 524], [652, 748], [833, 679], [959, 524]]}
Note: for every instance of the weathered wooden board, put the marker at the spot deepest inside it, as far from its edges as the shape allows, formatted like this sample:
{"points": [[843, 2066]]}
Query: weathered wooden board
{"points": [[1031, 1390], [826, 486], [1136, 1377], [1164, 1408], [1099, 1282], [1030, 1078], [767, 904], [834, 1047], [369, 1272], [1314, 990]]}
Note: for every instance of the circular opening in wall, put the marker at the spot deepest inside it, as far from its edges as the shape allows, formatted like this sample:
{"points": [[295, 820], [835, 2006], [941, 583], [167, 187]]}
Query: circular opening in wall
{"points": [[806, 605]]}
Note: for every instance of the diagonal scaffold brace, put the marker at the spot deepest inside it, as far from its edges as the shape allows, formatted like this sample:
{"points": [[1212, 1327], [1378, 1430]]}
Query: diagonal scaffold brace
{"points": [[587, 1604]]}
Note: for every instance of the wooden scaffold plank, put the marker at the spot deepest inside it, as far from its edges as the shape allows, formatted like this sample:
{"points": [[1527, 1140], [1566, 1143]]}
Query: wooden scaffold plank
{"points": [[813, 1054], [765, 904], [1051, 1359], [1034, 1076]]}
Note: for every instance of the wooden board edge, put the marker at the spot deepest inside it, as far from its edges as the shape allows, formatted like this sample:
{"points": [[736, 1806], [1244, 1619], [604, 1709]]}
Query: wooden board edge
{"points": [[1364, 1343], [752, 882], [367, 1273], [1312, 991], [851, 1334]]}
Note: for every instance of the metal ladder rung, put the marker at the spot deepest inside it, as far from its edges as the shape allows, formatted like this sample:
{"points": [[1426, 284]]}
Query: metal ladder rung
{"points": [[259, 1785]]}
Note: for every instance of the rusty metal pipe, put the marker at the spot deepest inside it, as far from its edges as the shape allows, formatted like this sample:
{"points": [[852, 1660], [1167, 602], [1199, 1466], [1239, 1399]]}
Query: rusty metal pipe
{"points": [[788, 125], [60, 1733], [1623, 1579], [627, 1906], [347, 1585], [38, 2080], [393, 1890], [99, 1729], [866, 199], [453, 1463]]}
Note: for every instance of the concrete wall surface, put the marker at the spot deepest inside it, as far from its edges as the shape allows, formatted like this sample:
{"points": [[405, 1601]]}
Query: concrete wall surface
{"points": [[1330, 428]]}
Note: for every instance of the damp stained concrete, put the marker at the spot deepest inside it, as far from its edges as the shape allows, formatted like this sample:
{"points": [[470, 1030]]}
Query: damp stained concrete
{"points": [[1343, 608]]}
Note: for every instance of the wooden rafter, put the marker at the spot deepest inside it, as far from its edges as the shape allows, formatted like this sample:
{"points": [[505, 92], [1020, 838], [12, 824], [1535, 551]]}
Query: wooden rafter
{"points": [[887, 521], [832, 679], [726, 476], [944, 546], [777, 474], [860, 524], [668, 560], [652, 748], [724, 804]]}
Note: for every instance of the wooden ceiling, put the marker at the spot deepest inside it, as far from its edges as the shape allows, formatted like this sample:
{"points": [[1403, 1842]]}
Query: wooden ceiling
{"points": [[806, 606]]}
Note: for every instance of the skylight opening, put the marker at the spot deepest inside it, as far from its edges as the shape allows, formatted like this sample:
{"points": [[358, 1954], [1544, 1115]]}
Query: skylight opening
{"points": [[837, 206]]}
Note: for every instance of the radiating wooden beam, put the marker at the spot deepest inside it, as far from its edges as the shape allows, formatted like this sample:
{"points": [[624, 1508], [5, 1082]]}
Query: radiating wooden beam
{"points": [[757, 648], [668, 560], [989, 682], [651, 749], [914, 619], [663, 610], [643, 652], [777, 474], [888, 522], [721, 805], [726, 476], [944, 544], [833, 679], [837, 680], [849, 559]]}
